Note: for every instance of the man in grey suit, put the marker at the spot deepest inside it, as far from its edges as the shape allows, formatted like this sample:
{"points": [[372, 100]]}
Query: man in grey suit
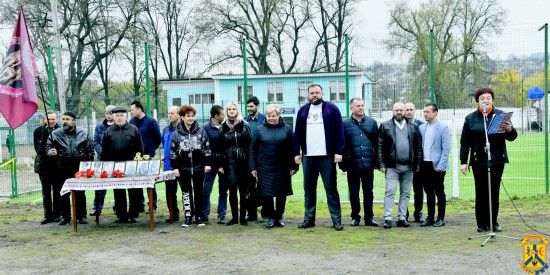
{"points": [[436, 146]]}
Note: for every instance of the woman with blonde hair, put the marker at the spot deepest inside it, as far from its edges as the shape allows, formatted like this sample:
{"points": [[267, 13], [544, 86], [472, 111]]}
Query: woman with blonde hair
{"points": [[234, 143]]}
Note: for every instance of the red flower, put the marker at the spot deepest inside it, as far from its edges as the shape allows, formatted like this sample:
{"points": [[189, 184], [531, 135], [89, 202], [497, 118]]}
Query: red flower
{"points": [[90, 173], [77, 175], [104, 175]]}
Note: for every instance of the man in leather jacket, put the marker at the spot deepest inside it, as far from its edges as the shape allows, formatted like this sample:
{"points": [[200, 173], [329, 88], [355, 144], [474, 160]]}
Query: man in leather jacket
{"points": [[71, 144], [399, 155]]}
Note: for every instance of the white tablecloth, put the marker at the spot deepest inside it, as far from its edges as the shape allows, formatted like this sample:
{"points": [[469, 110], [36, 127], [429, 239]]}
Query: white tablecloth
{"points": [[108, 183]]}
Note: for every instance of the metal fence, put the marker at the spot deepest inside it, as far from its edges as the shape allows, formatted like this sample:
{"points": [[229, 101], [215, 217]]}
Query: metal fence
{"points": [[391, 79]]}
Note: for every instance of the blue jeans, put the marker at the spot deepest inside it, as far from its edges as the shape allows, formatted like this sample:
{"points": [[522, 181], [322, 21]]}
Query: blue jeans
{"points": [[209, 179], [313, 166]]}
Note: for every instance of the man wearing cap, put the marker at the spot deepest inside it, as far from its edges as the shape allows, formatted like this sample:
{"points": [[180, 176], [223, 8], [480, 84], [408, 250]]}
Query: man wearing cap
{"points": [[98, 138], [121, 142], [150, 135], [71, 145]]}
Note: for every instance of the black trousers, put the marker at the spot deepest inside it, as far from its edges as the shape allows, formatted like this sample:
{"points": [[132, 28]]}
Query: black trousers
{"points": [[50, 195], [482, 193], [434, 187], [418, 195], [325, 166], [172, 198], [274, 211], [122, 210], [241, 187], [357, 180], [193, 185]]}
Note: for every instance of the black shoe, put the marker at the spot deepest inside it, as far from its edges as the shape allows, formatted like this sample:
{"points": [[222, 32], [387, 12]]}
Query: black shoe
{"points": [[83, 221], [251, 219], [482, 229], [279, 223], [121, 221], [65, 221], [57, 219], [205, 219], [263, 219], [95, 212], [154, 211], [370, 222], [220, 220], [497, 228], [355, 222], [439, 223], [232, 222], [427, 222], [188, 222], [306, 224], [199, 221], [46, 220], [403, 223], [338, 226], [387, 224], [175, 219], [244, 222], [132, 220], [270, 223]]}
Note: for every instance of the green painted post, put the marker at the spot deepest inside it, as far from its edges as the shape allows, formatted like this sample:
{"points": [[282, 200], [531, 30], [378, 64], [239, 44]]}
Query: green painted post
{"points": [[522, 99], [88, 115], [147, 87], [50, 79], [245, 87], [432, 74], [346, 40], [14, 193], [545, 27]]}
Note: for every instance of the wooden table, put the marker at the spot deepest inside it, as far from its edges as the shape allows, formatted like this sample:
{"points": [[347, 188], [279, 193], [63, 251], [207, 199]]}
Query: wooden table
{"points": [[82, 184]]}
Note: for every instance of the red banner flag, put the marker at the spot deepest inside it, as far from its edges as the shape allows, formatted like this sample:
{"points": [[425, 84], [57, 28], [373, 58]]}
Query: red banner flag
{"points": [[18, 101]]}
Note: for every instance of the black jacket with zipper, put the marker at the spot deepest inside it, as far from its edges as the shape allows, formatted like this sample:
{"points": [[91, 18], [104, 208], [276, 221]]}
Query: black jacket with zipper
{"points": [[190, 149]]}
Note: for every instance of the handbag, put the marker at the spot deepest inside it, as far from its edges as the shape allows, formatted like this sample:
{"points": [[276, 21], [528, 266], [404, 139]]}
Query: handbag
{"points": [[252, 198]]}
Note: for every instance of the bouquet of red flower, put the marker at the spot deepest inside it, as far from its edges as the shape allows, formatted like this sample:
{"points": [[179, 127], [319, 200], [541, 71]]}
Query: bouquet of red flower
{"points": [[85, 174], [117, 174]]}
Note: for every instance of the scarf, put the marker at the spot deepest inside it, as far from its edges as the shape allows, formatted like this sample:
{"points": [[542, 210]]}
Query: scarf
{"points": [[231, 123]]}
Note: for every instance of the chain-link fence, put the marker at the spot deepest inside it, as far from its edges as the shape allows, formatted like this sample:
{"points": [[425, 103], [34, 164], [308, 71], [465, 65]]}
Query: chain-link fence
{"points": [[375, 74]]}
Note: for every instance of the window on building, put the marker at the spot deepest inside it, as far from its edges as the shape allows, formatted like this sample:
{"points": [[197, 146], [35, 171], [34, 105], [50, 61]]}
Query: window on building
{"points": [[240, 93], [302, 91], [337, 90], [275, 92], [176, 101], [201, 99]]}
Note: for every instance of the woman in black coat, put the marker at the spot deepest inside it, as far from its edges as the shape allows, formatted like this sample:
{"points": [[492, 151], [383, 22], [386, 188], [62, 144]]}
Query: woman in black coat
{"points": [[272, 162], [233, 144], [472, 142]]}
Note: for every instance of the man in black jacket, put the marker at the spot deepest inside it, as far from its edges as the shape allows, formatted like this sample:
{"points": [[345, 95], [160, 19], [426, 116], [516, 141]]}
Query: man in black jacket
{"points": [[361, 134], [43, 166], [399, 155], [71, 144], [121, 142]]}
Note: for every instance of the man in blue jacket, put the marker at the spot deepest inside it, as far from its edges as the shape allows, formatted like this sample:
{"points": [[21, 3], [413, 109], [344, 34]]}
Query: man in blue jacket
{"points": [[255, 119], [171, 185], [436, 146], [150, 135], [361, 133], [100, 128], [320, 136]]}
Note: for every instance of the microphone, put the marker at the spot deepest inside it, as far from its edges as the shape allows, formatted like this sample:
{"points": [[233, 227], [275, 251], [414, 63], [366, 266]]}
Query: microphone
{"points": [[484, 107]]}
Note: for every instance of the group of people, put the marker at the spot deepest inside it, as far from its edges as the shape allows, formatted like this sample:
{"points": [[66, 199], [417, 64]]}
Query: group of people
{"points": [[254, 158]]}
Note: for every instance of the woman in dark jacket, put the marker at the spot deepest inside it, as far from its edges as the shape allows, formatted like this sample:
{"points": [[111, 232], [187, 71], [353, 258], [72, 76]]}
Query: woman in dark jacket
{"points": [[473, 142], [233, 144], [190, 158], [272, 162]]}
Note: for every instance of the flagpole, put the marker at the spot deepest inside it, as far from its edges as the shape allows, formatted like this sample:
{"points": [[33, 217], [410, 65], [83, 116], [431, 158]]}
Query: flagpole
{"points": [[45, 110]]}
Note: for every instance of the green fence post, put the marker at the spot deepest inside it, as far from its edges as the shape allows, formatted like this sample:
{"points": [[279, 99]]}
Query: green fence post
{"points": [[346, 40], [432, 75], [50, 80], [545, 28], [88, 113], [147, 85], [245, 88], [14, 193]]}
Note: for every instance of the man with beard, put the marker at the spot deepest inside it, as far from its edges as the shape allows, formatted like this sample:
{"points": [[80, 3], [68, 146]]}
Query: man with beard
{"points": [[255, 119], [71, 145], [319, 134], [121, 142], [98, 138], [399, 155], [44, 166]]}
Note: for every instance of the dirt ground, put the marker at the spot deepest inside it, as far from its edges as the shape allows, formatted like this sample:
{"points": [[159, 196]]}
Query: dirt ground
{"points": [[29, 248]]}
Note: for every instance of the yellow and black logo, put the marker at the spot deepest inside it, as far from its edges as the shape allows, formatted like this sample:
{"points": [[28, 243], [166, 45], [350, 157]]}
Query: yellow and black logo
{"points": [[534, 254]]}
